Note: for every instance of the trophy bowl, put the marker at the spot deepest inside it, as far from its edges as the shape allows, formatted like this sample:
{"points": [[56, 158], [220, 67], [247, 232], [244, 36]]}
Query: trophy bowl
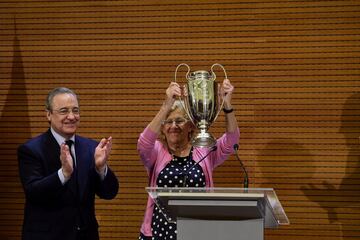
{"points": [[202, 102]]}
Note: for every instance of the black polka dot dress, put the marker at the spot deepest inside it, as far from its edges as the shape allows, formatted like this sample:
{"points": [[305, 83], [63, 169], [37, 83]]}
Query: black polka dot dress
{"points": [[173, 175]]}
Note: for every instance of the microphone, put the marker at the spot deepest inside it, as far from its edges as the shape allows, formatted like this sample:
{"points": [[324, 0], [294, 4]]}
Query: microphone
{"points": [[212, 149], [246, 178]]}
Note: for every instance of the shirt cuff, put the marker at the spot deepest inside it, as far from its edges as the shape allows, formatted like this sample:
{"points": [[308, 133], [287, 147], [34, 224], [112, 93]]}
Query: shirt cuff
{"points": [[102, 174], [62, 177]]}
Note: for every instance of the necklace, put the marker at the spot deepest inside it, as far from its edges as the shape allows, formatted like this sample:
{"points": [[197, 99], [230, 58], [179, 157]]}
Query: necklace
{"points": [[175, 157], [179, 151]]}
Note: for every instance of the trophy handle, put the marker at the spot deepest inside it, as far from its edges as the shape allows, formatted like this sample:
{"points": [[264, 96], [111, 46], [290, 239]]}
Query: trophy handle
{"points": [[182, 64], [181, 100], [212, 72], [217, 64]]}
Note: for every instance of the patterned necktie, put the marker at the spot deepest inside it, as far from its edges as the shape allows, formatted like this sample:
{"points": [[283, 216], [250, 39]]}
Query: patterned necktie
{"points": [[70, 143], [74, 177]]}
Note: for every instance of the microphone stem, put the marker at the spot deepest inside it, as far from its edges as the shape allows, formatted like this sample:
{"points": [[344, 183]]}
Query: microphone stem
{"points": [[196, 163], [246, 178]]}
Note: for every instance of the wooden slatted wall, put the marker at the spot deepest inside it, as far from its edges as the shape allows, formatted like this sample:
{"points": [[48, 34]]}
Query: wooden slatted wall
{"points": [[295, 65]]}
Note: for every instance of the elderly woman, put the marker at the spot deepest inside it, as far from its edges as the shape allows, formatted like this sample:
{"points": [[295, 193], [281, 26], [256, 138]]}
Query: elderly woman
{"points": [[168, 158]]}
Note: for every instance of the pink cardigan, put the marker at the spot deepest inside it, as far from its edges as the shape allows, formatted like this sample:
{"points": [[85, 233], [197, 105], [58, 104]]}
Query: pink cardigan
{"points": [[155, 157]]}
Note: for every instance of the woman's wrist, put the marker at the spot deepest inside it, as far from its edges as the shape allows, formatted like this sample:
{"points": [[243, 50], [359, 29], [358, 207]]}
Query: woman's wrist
{"points": [[166, 106], [227, 110]]}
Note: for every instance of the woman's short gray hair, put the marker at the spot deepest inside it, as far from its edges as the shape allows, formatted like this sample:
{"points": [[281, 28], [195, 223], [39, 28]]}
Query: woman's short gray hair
{"points": [[178, 105]]}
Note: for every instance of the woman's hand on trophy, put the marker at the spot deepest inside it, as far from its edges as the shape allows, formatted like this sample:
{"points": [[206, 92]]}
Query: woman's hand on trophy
{"points": [[227, 89], [184, 91], [172, 92]]}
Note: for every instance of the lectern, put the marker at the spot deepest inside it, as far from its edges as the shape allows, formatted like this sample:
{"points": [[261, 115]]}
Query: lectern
{"points": [[220, 213]]}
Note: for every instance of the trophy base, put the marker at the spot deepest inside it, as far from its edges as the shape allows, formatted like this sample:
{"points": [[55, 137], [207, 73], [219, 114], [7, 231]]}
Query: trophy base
{"points": [[203, 140]]}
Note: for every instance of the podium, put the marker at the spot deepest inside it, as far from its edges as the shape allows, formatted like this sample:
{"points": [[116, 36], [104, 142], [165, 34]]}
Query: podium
{"points": [[220, 213]]}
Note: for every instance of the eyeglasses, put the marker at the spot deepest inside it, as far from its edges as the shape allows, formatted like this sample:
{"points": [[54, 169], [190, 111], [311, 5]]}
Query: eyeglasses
{"points": [[177, 121], [67, 111]]}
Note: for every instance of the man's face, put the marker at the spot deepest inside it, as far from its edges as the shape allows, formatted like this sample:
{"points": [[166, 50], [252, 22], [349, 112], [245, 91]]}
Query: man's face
{"points": [[64, 116]]}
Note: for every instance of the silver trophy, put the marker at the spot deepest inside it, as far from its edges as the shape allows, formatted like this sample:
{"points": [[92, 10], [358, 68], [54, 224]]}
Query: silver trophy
{"points": [[202, 102]]}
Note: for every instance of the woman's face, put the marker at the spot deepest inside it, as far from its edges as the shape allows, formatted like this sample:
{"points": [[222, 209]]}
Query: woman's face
{"points": [[177, 128]]}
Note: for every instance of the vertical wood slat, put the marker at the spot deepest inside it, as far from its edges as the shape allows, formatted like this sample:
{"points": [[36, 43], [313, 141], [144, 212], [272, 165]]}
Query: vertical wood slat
{"points": [[295, 66]]}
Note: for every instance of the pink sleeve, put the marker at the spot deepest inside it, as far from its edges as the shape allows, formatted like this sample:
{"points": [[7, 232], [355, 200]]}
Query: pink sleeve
{"points": [[146, 147], [225, 146]]}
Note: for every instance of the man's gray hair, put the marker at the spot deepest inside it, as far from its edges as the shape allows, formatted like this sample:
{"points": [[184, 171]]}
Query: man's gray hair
{"points": [[56, 91]]}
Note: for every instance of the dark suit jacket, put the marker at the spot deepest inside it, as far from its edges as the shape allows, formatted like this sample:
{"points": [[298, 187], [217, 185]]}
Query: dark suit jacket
{"points": [[55, 211]]}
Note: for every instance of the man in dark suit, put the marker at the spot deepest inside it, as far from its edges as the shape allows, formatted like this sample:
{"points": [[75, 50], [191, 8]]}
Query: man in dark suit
{"points": [[61, 172]]}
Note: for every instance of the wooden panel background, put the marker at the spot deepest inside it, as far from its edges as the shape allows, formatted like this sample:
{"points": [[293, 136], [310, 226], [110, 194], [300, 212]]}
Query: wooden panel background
{"points": [[295, 65]]}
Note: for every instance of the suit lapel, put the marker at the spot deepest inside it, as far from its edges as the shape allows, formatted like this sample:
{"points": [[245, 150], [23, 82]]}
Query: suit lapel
{"points": [[52, 152]]}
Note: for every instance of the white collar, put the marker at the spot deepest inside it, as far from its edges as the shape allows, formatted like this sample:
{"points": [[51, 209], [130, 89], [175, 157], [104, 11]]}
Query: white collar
{"points": [[60, 139]]}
